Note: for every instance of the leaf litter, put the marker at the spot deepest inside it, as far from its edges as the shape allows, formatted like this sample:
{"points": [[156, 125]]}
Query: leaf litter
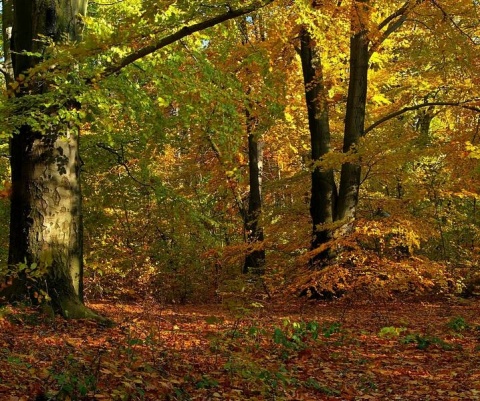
{"points": [[297, 351]]}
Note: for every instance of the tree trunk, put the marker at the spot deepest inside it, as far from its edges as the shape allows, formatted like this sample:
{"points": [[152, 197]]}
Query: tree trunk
{"points": [[326, 206], [354, 118], [255, 258], [7, 24], [324, 191], [422, 125], [46, 216]]}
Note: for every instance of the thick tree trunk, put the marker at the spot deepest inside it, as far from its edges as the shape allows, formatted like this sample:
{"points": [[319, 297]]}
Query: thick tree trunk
{"points": [[255, 258], [326, 206], [46, 216], [324, 191], [354, 122]]}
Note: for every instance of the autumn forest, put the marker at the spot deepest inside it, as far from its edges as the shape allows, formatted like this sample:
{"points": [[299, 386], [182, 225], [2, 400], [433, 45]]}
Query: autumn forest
{"points": [[241, 200]]}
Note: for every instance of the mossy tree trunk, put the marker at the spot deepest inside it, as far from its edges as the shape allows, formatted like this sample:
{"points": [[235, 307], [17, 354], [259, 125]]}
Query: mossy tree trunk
{"points": [[46, 203]]}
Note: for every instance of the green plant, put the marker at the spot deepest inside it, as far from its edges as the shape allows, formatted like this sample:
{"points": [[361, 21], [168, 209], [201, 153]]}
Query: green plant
{"points": [[329, 329], [367, 383], [256, 332], [74, 379], [314, 384], [181, 394], [294, 336], [391, 331], [132, 342], [206, 382], [424, 342], [458, 324], [276, 381]]}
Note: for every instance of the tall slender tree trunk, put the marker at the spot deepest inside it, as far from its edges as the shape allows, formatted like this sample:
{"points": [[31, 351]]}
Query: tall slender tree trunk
{"points": [[46, 216], [324, 191], [255, 258]]}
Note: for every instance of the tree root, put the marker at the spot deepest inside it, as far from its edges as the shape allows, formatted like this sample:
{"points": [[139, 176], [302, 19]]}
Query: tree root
{"points": [[74, 309]]}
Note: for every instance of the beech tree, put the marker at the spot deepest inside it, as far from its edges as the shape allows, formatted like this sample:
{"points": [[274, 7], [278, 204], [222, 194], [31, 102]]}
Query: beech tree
{"points": [[46, 227], [328, 204], [46, 219], [255, 258], [334, 209]]}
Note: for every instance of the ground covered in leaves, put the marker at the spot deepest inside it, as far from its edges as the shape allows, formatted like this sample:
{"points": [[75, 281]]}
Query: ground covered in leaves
{"points": [[340, 350]]}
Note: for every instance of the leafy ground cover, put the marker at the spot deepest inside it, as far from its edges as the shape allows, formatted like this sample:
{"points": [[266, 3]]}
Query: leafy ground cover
{"points": [[339, 350]]}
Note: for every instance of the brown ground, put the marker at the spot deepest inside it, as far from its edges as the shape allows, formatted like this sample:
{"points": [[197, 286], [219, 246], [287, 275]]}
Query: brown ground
{"points": [[299, 351]]}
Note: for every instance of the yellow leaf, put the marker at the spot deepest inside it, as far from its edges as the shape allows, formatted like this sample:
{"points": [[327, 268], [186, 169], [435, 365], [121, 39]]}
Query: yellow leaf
{"points": [[380, 99], [288, 117]]}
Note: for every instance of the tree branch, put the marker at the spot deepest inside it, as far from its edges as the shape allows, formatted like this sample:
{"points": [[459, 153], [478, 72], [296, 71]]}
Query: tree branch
{"points": [[122, 162], [394, 15], [182, 33], [452, 21], [462, 104], [393, 22]]}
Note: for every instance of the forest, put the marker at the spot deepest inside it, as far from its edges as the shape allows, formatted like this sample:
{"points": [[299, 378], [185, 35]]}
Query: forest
{"points": [[240, 200]]}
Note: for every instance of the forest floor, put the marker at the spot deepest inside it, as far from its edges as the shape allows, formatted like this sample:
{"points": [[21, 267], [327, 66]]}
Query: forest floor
{"points": [[295, 350]]}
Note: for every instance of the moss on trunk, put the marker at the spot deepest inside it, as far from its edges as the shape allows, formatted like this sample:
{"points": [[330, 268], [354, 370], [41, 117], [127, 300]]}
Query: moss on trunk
{"points": [[46, 215]]}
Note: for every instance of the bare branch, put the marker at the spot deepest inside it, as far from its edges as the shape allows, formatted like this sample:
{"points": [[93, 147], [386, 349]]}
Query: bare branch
{"points": [[122, 162]]}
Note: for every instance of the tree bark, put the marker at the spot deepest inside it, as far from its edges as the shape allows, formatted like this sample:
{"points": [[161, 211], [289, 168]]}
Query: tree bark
{"points": [[354, 122], [7, 24], [326, 206], [46, 226], [324, 191], [255, 258], [255, 255]]}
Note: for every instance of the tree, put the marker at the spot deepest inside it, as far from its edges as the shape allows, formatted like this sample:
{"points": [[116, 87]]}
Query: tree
{"points": [[327, 204], [46, 227], [324, 196], [212, 103], [46, 219], [255, 257]]}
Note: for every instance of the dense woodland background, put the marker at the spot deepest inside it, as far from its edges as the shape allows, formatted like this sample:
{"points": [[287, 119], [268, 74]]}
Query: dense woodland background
{"points": [[165, 173], [239, 162]]}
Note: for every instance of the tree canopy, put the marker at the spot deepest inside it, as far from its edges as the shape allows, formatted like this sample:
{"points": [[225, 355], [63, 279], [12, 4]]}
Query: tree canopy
{"points": [[166, 95], [201, 173]]}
